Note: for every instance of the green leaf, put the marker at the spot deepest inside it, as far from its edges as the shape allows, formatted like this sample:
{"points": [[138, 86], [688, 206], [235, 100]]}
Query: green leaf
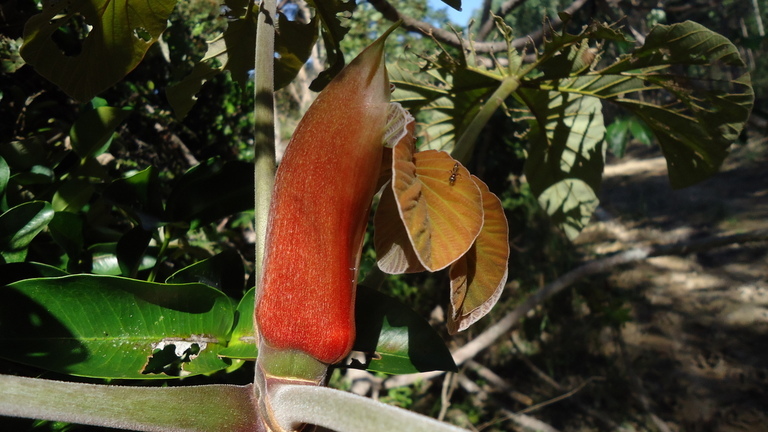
{"points": [[617, 136], [224, 272], [111, 327], [67, 231], [5, 175], [13, 272], [86, 46], [20, 225], [640, 131], [688, 84], [210, 191], [334, 14], [242, 342], [448, 94], [293, 47], [399, 340], [105, 261], [131, 249], [566, 155], [139, 195], [72, 195], [234, 51], [92, 132]]}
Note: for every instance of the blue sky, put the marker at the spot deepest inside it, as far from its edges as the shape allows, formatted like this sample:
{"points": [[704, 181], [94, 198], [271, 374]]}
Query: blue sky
{"points": [[461, 18]]}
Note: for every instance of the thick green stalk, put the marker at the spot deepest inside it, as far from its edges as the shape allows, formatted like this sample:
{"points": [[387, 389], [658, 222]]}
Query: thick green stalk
{"points": [[264, 119], [466, 143], [163, 409]]}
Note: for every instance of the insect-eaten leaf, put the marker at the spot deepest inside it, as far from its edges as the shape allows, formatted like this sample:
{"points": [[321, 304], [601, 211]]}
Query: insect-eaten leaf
{"points": [[85, 47], [479, 276], [111, 327]]}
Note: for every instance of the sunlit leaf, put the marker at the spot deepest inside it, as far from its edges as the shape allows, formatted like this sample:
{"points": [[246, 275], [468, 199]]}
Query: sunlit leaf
{"points": [[448, 94], [110, 327], [566, 148], [72, 195], [478, 277], [398, 340], [118, 35], [5, 174], [438, 204], [242, 342], [21, 224], [105, 261]]}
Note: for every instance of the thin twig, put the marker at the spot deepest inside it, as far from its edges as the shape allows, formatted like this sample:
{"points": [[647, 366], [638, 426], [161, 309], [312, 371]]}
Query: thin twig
{"points": [[411, 24], [600, 265]]}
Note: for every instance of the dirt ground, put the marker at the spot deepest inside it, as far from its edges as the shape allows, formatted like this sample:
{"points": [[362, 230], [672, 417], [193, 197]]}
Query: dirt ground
{"points": [[698, 340]]}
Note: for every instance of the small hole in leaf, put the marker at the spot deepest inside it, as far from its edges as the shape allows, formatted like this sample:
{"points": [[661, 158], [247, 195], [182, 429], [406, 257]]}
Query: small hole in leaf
{"points": [[169, 360], [70, 34], [142, 34]]}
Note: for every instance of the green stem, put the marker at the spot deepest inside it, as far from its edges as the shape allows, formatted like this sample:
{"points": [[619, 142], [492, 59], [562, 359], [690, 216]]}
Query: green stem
{"points": [[264, 116], [163, 247], [466, 143]]}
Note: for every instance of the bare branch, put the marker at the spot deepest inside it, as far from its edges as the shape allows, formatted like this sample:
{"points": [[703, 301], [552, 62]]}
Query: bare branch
{"points": [[600, 265], [450, 38], [505, 8]]}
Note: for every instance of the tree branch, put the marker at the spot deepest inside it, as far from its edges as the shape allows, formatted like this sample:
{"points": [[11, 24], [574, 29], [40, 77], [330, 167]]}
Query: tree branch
{"points": [[600, 265], [503, 10], [445, 36]]}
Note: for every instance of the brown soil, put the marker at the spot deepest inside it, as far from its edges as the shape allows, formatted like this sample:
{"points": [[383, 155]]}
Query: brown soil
{"points": [[696, 349]]}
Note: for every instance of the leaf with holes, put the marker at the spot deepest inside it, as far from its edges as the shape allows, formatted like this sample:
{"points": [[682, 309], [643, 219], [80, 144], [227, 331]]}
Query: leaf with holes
{"points": [[478, 277], [87, 46], [111, 327]]}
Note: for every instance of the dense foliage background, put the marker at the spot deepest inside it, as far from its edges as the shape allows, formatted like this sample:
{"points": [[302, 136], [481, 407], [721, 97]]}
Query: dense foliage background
{"points": [[109, 193]]}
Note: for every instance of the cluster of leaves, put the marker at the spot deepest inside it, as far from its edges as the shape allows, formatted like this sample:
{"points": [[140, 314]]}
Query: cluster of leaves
{"points": [[76, 221], [707, 99]]}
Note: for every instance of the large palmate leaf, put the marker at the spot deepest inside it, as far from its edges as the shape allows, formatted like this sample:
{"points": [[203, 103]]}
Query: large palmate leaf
{"points": [[688, 84], [110, 327], [117, 36], [447, 95], [566, 156]]}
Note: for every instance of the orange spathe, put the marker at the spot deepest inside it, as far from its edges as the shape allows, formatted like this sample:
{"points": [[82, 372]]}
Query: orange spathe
{"points": [[319, 211]]}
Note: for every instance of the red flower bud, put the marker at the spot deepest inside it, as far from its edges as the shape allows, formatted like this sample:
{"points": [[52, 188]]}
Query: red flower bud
{"points": [[319, 211]]}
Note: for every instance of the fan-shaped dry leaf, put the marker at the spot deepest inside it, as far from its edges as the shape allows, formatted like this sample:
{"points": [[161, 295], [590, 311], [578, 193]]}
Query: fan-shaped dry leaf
{"points": [[393, 247], [478, 277], [439, 204]]}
